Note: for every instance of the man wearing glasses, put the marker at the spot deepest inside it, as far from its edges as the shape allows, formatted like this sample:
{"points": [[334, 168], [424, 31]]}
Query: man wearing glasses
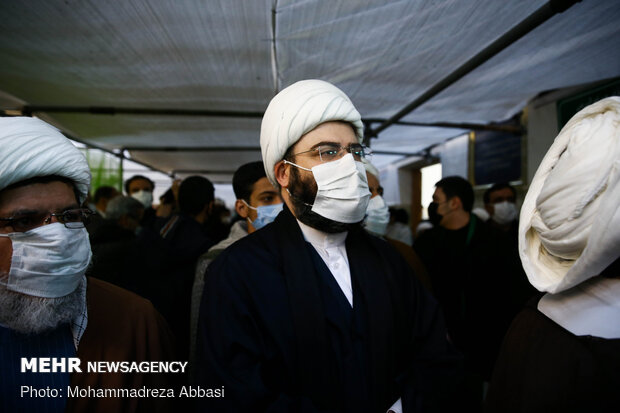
{"points": [[311, 313], [48, 308]]}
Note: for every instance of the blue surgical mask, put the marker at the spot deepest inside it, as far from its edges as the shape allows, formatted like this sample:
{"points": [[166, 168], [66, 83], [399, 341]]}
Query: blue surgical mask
{"points": [[265, 214]]}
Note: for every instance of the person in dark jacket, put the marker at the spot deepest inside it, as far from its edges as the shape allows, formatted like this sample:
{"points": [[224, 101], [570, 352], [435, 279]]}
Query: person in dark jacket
{"points": [[459, 258], [311, 313]]}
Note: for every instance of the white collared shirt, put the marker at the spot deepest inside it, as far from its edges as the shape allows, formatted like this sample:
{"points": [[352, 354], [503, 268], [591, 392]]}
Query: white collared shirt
{"points": [[332, 250]]}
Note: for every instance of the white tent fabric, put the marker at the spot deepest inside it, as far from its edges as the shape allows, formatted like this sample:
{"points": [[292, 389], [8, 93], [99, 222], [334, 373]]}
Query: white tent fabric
{"points": [[234, 55]]}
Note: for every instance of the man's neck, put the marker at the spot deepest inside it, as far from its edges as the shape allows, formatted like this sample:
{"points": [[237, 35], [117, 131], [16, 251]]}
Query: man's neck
{"points": [[315, 234], [457, 220], [501, 227]]}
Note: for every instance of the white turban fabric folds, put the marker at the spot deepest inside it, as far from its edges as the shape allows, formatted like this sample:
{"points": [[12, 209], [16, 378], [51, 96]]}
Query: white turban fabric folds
{"points": [[31, 148], [569, 229], [297, 110]]}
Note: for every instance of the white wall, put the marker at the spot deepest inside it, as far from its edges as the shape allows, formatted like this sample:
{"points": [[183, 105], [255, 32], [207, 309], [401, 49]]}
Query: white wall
{"points": [[454, 156], [542, 128], [430, 176]]}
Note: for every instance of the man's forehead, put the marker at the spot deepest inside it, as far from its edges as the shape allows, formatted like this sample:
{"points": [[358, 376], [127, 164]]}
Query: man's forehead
{"points": [[501, 193], [334, 131], [140, 181], [54, 195], [262, 185]]}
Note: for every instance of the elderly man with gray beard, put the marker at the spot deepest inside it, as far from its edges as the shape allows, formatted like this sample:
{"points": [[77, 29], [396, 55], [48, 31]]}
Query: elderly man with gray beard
{"points": [[48, 308]]}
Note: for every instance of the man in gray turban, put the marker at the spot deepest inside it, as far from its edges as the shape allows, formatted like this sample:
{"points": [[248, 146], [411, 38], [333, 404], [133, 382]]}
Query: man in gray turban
{"points": [[311, 313], [48, 308], [562, 352]]}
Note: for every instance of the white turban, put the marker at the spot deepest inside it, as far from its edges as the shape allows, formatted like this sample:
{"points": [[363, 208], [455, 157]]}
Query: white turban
{"points": [[297, 110], [569, 229], [31, 148]]}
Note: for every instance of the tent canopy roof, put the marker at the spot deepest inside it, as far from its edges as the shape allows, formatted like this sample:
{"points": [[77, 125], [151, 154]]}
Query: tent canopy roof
{"points": [[181, 85]]}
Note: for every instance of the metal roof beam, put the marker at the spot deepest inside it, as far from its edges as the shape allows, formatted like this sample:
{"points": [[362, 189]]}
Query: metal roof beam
{"points": [[110, 110], [531, 22]]}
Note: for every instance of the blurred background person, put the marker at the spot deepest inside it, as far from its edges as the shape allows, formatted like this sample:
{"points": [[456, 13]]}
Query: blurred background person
{"points": [[217, 224], [185, 240], [377, 220], [258, 203], [141, 188], [456, 254], [168, 204], [102, 196], [500, 202], [117, 257], [398, 227]]}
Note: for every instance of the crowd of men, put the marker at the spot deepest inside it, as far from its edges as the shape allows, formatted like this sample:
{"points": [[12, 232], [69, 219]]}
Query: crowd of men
{"points": [[309, 301]]}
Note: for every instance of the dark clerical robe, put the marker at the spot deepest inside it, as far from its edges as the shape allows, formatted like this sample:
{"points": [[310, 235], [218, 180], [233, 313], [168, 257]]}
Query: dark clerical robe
{"points": [[544, 368], [122, 327], [279, 335]]}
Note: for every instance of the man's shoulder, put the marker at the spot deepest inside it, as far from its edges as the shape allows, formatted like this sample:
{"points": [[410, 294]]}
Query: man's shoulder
{"points": [[237, 231], [382, 244], [249, 255], [429, 236], [114, 310], [262, 239], [381, 248], [111, 299], [122, 326]]}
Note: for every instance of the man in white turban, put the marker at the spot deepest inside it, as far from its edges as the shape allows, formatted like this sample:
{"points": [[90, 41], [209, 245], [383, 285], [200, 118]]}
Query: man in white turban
{"points": [[48, 308], [562, 352], [311, 313]]}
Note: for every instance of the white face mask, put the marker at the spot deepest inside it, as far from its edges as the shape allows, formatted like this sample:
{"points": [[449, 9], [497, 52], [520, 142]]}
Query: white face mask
{"points": [[377, 216], [48, 261], [342, 194], [145, 198], [504, 212]]}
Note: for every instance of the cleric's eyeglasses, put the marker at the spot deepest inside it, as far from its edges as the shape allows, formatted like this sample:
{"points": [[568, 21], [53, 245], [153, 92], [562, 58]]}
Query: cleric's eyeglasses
{"points": [[328, 152], [71, 218]]}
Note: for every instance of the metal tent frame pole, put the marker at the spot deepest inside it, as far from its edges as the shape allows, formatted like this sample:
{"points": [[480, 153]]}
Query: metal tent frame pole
{"points": [[531, 22]]}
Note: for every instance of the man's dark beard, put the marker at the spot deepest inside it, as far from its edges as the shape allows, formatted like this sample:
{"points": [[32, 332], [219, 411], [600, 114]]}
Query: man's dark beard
{"points": [[303, 192]]}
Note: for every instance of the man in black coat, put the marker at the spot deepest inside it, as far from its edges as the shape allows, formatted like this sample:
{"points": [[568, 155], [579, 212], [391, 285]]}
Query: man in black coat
{"points": [[311, 313]]}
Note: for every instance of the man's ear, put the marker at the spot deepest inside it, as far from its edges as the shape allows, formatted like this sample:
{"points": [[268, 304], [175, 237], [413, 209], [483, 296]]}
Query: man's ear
{"points": [[241, 208], [282, 173], [455, 203]]}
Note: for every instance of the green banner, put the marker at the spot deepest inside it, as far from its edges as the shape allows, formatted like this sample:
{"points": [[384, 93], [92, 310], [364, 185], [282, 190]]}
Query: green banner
{"points": [[105, 169], [569, 106]]}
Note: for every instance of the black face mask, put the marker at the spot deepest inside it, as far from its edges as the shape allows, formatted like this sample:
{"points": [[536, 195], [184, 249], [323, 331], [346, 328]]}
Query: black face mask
{"points": [[433, 216]]}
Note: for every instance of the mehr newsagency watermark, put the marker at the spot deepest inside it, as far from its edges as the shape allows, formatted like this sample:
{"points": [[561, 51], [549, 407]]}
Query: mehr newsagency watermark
{"points": [[73, 365], [142, 392]]}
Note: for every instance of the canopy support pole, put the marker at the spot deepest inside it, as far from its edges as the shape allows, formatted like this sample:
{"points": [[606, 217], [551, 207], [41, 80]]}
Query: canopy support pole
{"points": [[534, 20]]}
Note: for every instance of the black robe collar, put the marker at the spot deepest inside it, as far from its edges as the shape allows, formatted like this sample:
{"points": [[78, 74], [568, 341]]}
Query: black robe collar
{"points": [[367, 272]]}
